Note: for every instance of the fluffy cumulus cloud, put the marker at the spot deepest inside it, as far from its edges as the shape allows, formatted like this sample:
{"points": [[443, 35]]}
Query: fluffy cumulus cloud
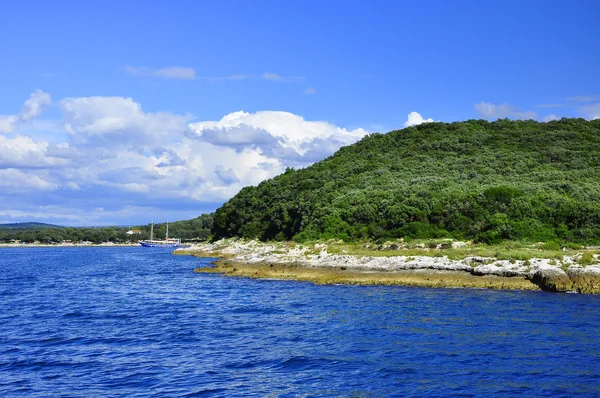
{"points": [[20, 182], [281, 136], [111, 154], [415, 118], [118, 121], [23, 152], [488, 110]]}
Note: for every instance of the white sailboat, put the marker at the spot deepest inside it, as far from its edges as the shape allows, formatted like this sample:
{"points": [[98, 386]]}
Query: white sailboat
{"points": [[168, 242]]}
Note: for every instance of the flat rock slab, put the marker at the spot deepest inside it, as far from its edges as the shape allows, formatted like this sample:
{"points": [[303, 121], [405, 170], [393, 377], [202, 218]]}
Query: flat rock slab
{"points": [[339, 275]]}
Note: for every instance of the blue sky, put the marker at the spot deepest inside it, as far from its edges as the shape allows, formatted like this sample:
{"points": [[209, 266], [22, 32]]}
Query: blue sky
{"points": [[117, 112]]}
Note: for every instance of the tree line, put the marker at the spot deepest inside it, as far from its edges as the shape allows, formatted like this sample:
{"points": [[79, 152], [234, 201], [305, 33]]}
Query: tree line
{"points": [[188, 230]]}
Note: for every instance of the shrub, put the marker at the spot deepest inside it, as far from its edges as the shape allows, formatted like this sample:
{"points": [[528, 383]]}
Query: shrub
{"points": [[586, 258], [553, 246]]}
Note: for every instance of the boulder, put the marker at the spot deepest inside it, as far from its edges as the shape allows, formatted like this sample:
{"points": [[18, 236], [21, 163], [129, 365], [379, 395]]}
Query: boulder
{"points": [[584, 281], [552, 280]]}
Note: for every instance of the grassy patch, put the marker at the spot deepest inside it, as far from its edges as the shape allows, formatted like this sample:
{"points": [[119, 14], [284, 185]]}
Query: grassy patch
{"points": [[511, 251]]}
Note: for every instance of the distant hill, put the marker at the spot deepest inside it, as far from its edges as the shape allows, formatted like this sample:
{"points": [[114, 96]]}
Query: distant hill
{"points": [[28, 225], [187, 230], [487, 181]]}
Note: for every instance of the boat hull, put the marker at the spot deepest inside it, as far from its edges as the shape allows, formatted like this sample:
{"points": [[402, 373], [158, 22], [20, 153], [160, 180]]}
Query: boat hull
{"points": [[153, 244]]}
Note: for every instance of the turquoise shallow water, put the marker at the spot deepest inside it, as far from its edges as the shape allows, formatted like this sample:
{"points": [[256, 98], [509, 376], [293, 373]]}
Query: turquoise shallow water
{"points": [[138, 322]]}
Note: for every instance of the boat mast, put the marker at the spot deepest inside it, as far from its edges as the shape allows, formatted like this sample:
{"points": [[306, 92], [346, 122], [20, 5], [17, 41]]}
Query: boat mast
{"points": [[152, 231], [167, 236]]}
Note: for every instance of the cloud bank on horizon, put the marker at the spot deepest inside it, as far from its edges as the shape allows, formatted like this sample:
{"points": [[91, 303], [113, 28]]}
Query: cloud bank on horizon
{"points": [[107, 161]]}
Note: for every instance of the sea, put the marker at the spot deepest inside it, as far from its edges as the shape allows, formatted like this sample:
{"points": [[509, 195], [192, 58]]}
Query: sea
{"points": [[138, 322]]}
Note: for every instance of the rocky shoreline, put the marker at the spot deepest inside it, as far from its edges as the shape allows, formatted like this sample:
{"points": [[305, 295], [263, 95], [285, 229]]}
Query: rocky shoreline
{"points": [[315, 264]]}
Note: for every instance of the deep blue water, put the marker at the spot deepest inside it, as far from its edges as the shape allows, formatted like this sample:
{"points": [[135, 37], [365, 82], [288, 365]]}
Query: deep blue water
{"points": [[138, 322]]}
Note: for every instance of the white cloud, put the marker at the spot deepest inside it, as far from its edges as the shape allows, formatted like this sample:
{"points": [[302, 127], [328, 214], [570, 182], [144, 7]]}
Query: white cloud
{"points": [[61, 215], [38, 101], [549, 118], [575, 99], [23, 152], [7, 123], [176, 72], [32, 108], [236, 77], [309, 91], [414, 118], [591, 111], [278, 78], [584, 98], [184, 73], [42, 213], [118, 121], [271, 76], [551, 105], [17, 181], [170, 72], [488, 110], [279, 135]]}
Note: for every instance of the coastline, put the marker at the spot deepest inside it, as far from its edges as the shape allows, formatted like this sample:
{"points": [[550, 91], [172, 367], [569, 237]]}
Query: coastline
{"points": [[28, 245], [314, 263]]}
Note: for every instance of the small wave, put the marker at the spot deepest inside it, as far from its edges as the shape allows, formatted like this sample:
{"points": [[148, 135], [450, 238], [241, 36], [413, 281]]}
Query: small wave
{"points": [[260, 310], [76, 314], [205, 392], [302, 363]]}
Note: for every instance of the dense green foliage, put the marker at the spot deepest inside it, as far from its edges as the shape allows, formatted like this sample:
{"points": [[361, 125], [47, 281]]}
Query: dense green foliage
{"points": [[188, 230], [487, 181]]}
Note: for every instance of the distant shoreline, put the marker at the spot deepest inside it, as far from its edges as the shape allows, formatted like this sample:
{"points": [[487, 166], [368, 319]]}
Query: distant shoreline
{"points": [[26, 245]]}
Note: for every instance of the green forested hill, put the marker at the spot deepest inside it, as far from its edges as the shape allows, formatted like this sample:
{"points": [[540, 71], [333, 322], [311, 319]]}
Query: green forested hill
{"points": [[488, 181]]}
